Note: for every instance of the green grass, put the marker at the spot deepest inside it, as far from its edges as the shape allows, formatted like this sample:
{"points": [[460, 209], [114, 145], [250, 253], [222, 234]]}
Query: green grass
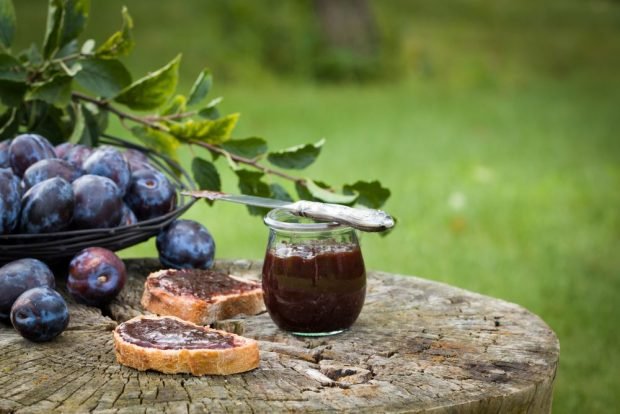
{"points": [[501, 151]]}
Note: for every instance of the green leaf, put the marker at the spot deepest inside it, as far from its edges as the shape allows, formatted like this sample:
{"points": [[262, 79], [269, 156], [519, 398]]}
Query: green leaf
{"points": [[53, 27], [32, 55], [79, 128], [250, 183], [210, 111], [7, 23], [371, 194], [206, 175], [69, 49], [158, 140], [278, 192], [297, 157], [74, 17], [104, 77], [12, 93], [11, 69], [247, 148], [176, 106], [221, 129], [9, 123], [302, 191], [53, 123], [56, 91], [212, 132], [120, 43], [153, 90], [201, 88], [88, 47], [329, 196]]}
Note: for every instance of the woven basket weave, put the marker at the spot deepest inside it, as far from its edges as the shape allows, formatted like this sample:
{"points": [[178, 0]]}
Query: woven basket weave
{"points": [[62, 245]]}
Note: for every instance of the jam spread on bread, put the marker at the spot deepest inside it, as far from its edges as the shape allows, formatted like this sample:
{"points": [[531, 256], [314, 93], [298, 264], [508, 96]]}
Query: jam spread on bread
{"points": [[203, 284], [169, 333], [314, 287]]}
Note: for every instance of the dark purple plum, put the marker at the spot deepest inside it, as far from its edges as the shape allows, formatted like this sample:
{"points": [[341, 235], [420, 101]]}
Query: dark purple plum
{"points": [[47, 207], [63, 149], [40, 314], [98, 203], [10, 200], [18, 276], [136, 155], [128, 217], [137, 161], [77, 155], [109, 162], [4, 154], [96, 276], [150, 194], [49, 168], [26, 149], [186, 244]]}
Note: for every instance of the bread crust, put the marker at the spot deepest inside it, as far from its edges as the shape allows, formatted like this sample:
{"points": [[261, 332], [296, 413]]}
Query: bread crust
{"points": [[241, 358], [196, 310]]}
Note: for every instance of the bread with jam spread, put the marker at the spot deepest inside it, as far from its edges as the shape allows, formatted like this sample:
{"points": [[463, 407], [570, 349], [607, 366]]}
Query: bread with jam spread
{"points": [[201, 296], [171, 345]]}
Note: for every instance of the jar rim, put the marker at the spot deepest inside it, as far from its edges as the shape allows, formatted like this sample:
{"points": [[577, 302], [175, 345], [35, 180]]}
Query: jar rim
{"points": [[277, 219]]}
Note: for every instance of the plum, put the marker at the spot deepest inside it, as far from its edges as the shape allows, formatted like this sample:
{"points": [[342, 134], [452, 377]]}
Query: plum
{"points": [[63, 149], [98, 203], [96, 276], [109, 162], [128, 217], [40, 314], [186, 244], [49, 168], [150, 194], [47, 207], [10, 200], [137, 160], [4, 154], [77, 155], [18, 276], [26, 149]]}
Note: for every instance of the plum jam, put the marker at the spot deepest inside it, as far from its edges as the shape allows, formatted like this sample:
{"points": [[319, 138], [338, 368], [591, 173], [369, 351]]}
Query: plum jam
{"points": [[314, 279], [168, 333]]}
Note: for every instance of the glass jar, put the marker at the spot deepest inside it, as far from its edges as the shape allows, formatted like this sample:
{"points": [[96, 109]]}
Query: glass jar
{"points": [[314, 279]]}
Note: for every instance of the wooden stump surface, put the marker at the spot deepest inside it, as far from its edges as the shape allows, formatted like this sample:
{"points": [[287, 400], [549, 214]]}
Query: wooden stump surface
{"points": [[418, 346]]}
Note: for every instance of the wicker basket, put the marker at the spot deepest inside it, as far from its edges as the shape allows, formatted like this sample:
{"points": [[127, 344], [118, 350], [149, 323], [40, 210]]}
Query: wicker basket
{"points": [[52, 247]]}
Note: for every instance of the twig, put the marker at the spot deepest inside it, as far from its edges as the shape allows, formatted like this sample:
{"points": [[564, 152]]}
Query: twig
{"points": [[152, 123]]}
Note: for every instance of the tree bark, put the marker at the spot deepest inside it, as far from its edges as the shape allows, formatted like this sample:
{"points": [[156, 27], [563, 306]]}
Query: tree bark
{"points": [[418, 346]]}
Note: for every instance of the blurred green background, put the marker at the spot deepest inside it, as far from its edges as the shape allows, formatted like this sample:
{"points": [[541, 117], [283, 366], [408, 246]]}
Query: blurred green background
{"points": [[495, 123]]}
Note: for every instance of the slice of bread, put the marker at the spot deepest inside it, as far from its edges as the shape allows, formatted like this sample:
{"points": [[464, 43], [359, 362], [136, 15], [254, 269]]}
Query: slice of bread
{"points": [[201, 296], [171, 345]]}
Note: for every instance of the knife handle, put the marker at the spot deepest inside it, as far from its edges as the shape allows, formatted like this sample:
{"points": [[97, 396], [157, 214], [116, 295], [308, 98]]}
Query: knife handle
{"points": [[359, 218]]}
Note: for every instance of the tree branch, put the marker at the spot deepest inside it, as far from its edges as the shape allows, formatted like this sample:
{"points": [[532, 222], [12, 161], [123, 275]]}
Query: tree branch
{"points": [[152, 123]]}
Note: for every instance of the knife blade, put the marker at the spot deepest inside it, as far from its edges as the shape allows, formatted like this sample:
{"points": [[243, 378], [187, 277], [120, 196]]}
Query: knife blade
{"points": [[359, 218]]}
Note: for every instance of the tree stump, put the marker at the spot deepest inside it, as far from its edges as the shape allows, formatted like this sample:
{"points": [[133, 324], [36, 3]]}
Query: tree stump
{"points": [[418, 346]]}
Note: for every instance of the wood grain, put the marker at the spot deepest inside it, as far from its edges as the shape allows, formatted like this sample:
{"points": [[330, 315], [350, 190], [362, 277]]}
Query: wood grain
{"points": [[418, 346]]}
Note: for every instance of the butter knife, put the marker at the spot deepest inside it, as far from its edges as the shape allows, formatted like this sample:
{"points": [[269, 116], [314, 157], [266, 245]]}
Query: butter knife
{"points": [[359, 218]]}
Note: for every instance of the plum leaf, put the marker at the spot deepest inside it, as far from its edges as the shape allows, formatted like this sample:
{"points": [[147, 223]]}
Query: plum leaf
{"points": [[104, 77], [153, 90], [201, 88], [370, 194], [120, 43], [248, 147], [297, 157], [7, 23]]}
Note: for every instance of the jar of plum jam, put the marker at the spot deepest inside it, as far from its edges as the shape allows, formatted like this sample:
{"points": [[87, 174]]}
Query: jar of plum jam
{"points": [[314, 279]]}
